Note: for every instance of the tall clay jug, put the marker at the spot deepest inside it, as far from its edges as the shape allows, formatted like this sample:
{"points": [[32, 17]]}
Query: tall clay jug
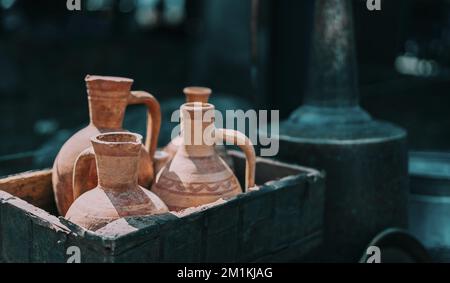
{"points": [[118, 194], [108, 98], [200, 95], [197, 175]]}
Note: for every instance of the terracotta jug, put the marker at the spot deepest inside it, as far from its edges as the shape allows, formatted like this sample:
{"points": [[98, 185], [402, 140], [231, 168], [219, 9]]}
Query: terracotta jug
{"points": [[200, 95], [118, 193], [197, 175], [108, 98]]}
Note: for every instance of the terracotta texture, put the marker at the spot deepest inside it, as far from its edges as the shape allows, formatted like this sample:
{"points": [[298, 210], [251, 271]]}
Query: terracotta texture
{"points": [[118, 194], [108, 98], [161, 158], [197, 175], [200, 95]]}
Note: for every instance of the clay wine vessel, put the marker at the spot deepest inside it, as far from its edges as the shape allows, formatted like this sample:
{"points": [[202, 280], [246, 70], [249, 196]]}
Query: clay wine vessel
{"points": [[197, 175], [118, 194], [200, 95], [108, 99]]}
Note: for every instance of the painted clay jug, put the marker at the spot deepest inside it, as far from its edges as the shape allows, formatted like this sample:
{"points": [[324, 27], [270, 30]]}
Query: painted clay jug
{"points": [[118, 193], [108, 98], [197, 175], [200, 95]]}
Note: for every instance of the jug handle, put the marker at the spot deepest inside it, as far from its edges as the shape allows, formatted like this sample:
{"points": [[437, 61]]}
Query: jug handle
{"points": [[153, 118], [239, 139], [81, 170]]}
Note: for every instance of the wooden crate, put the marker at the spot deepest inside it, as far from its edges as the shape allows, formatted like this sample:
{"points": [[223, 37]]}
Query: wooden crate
{"points": [[282, 221]]}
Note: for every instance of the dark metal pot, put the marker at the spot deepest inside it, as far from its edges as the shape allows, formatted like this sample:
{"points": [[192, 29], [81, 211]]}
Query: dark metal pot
{"points": [[365, 160], [430, 202]]}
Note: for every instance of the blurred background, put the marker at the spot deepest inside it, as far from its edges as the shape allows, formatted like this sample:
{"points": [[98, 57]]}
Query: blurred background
{"points": [[252, 53]]}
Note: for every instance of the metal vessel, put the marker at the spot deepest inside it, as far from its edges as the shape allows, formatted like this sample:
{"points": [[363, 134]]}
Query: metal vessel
{"points": [[365, 160], [429, 209]]}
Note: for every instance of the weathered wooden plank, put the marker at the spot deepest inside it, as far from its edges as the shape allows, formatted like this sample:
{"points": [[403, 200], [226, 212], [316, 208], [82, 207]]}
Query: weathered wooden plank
{"points": [[17, 232], [48, 245], [148, 252], [265, 168], [182, 240], [29, 234], [295, 251], [3, 197], [34, 187], [257, 224], [221, 233], [277, 222]]}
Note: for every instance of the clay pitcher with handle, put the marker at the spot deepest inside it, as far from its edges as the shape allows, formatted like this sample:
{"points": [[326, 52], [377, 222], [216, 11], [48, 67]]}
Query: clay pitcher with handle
{"points": [[108, 99], [118, 193], [197, 175], [200, 95]]}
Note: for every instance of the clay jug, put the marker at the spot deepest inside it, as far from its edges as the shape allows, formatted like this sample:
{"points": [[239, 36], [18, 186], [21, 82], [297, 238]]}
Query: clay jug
{"points": [[201, 95], [118, 193], [197, 175], [108, 98]]}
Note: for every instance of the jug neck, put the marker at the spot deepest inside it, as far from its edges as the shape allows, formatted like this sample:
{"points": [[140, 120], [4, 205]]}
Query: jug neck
{"points": [[197, 129], [117, 157], [108, 99], [106, 112], [117, 173]]}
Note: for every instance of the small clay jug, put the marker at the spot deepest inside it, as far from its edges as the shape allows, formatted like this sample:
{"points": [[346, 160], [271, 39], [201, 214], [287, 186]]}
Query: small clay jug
{"points": [[200, 95], [197, 175], [108, 98], [118, 193]]}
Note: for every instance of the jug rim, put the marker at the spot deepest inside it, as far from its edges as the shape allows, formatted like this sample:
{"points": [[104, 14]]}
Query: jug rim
{"points": [[92, 78], [197, 90], [197, 106], [113, 138]]}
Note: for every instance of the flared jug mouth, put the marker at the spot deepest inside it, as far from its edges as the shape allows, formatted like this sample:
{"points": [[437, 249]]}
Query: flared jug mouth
{"points": [[97, 85], [118, 138], [197, 94], [117, 144], [92, 78]]}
